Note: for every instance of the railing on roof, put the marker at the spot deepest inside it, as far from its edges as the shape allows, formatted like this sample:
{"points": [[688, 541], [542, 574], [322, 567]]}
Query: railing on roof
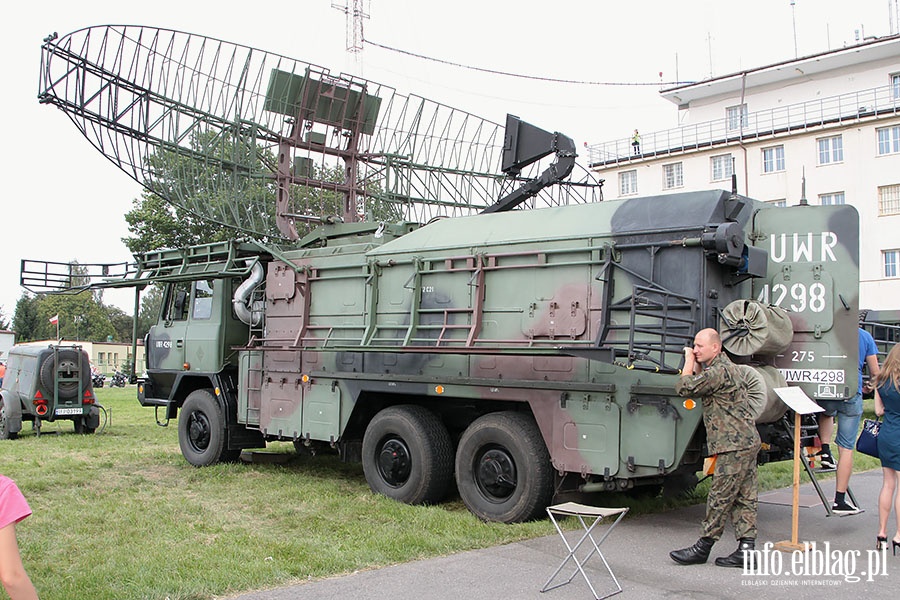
{"points": [[806, 115]]}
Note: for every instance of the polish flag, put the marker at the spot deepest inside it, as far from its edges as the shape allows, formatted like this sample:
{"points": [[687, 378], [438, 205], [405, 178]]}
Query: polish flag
{"points": [[54, 319]]}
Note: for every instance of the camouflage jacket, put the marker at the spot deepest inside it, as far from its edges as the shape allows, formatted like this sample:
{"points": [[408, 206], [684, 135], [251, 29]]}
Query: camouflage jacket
{"points": [[726, 411]]}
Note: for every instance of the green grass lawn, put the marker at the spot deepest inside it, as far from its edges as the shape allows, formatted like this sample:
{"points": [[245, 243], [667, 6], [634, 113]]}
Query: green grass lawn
{"points": [[121, 515]]}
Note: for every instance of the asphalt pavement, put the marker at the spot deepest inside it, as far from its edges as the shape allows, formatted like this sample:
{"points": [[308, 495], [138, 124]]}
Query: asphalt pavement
{"points": [[841, 561]]}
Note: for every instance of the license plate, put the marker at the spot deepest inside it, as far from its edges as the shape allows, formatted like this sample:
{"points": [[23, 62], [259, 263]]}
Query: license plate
{"points": [[813, 375], [69, 411]]}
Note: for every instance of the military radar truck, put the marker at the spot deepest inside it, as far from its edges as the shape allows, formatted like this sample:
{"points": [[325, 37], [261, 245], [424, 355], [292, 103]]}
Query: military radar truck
{"points": [[527, 346]]}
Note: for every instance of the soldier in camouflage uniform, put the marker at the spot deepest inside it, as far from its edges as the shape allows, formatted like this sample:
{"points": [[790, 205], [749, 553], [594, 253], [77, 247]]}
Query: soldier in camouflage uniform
{"points": [[730, 435]]}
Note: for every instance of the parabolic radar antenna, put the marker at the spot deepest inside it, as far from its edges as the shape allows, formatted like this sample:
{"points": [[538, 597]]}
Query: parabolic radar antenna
{"points": [[261, 142]]}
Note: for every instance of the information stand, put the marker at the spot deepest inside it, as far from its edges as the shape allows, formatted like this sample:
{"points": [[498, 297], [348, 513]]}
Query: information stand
{"points": [[801, 404]]}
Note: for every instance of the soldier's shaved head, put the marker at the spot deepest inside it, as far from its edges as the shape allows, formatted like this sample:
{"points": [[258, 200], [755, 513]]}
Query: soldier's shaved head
{"points": [[707, 345], [710, 335]]}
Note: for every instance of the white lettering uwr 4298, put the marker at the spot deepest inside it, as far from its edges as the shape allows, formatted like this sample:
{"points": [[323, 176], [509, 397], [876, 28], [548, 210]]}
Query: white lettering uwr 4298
{"points": [[163, 343], [802, 247]]}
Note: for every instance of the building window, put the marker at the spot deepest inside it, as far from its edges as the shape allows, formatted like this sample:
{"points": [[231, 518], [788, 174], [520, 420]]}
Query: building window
{"points": [[100, 358], [779, 203], [888, 200], [722, 167], [672, 176], [736, 117], [628, 183], [832, 199], [895, 86], [773, 159], [890, 262], [831, 150], [888, 140]]}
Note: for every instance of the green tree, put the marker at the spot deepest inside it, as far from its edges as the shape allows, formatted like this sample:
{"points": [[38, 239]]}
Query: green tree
{"points": [[4, 320], [156, 224], [81, 317], [25, 320], [122, 324]]}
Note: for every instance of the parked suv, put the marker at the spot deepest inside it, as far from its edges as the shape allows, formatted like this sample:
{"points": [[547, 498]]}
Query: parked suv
{"points": [[47, 383]]}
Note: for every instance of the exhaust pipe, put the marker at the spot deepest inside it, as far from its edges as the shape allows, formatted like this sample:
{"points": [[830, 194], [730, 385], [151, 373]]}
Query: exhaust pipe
{"points": [[250, 315]]}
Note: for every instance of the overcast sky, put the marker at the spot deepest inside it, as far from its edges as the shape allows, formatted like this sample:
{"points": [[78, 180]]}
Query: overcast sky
{"points": [[63, 200]]}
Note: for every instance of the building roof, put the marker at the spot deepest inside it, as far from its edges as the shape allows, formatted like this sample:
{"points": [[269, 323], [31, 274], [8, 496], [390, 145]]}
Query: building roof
{"points": [[868, 51]]}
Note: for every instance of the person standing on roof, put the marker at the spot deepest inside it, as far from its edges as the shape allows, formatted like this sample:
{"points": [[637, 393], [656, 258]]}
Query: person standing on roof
{"points": [[731, 435], [636, 143]]}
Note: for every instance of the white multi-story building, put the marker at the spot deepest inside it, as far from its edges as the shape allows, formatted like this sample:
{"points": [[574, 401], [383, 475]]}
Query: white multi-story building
{"points": [[832, 118]]}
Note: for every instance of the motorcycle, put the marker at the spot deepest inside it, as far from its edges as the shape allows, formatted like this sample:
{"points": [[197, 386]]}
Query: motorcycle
{"points": [[98, 379], [118, 379]]}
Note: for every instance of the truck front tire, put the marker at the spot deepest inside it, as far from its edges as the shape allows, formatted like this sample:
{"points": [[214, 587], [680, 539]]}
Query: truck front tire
{"points": [[201, 430], [407, 455], [503, 469]]}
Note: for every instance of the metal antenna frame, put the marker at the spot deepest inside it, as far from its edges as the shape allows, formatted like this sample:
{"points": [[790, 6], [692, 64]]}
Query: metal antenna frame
{"points": [[260, 142]]}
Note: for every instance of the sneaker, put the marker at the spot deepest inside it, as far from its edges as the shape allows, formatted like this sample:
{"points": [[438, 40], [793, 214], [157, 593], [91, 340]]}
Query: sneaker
{"points": [[844, 508], [826, 461]]}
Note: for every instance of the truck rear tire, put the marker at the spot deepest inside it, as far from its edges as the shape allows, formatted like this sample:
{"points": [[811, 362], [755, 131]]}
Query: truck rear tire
{"points": [[503, 469], [5, 433], [81, 428], [407, 455], [201, 430]]}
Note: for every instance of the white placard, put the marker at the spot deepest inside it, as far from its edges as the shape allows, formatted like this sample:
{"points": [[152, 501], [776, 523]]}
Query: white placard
{"points": [[797, 399]]}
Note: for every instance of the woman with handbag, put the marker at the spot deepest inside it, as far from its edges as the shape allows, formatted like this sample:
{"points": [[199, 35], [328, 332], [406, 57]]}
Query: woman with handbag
{"points": [[887, 404]]}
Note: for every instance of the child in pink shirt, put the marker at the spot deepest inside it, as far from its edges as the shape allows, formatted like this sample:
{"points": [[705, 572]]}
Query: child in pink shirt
{"points": [[13, 508]]}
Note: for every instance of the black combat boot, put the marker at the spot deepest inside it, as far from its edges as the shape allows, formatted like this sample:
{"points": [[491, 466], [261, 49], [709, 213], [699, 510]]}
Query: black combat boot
{"points": [[696, 554], [736, 558]]}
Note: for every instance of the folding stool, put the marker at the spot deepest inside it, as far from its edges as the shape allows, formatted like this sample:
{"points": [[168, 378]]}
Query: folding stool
{"points": [[593, 514]]}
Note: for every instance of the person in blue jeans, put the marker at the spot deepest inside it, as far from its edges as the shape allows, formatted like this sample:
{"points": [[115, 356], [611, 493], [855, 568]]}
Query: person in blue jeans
{"points": [[848, 413]]}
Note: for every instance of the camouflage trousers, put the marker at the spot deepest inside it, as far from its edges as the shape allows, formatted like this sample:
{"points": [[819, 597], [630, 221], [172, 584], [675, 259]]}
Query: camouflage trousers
{"points": [[733, 494]]}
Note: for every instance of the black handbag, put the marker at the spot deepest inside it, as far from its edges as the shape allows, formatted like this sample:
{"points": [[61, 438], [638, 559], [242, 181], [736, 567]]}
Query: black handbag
{"points": [[868, 437]]}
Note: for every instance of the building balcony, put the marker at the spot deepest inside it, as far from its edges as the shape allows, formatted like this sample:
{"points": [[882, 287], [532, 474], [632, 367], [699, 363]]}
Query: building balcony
{"points": [[844, 109]]}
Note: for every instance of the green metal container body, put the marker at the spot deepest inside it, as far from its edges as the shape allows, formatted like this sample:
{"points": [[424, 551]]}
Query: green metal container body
{"points": [[575, 314]]}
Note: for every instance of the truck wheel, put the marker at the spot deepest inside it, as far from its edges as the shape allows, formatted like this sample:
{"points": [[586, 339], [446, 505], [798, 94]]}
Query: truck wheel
{"points": [[81, 428], [503, 469], [679, 484], [201, 430], [407, 455], [68, 361], [5, 433]]}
